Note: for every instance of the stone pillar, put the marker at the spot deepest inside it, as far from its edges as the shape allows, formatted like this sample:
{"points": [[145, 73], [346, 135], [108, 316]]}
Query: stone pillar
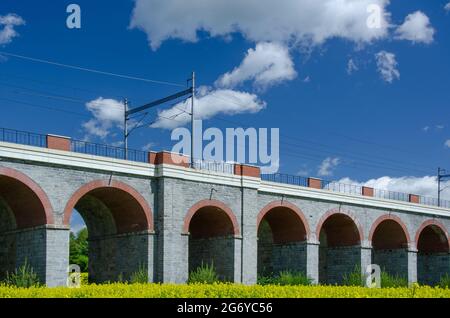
{"points": [[249, 233], [57, 256], [412, 266], [238, 273], [312, 261], [366, 258]]}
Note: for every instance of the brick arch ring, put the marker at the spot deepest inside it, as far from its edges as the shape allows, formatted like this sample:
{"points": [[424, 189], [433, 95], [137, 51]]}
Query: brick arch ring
{"points": [[387, 217], [337, 211], [284, 204], [210, 203], [33, 186], [428, 223], [108, 184]]}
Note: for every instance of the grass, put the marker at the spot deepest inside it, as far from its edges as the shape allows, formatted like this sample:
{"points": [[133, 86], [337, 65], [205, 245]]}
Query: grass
{"points": [[121, 290], [286, 278], [204, 274]]}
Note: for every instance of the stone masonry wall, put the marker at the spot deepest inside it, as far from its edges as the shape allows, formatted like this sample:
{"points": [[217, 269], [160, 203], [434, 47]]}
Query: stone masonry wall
{"points": [[394, 262], [431, 267], [217, 251], [336, 262]]}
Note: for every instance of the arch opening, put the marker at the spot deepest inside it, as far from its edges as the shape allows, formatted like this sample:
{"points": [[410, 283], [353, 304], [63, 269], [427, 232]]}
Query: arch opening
{"points": [[118, 232], [212, 241], [339, 249], [433, 259], [23, 216], [390, 248], [282, 237]]}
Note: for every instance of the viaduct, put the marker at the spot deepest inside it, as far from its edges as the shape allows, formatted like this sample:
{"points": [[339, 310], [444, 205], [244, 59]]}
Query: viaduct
{"points": [[155, 211]]}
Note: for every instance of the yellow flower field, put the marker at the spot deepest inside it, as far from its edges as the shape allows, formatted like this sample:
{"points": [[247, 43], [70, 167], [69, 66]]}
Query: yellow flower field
{"points": [[220, 291]]}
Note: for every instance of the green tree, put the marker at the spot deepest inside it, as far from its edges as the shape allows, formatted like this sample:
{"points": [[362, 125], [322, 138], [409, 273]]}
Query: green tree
{"points": [[79, 249]]}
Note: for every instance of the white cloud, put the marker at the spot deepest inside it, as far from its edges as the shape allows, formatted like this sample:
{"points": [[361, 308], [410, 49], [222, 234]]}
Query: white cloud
{"points": [[447, 7], [7, 27], [266, 65], [426, 128], [425, 186], [304, 22], [209, 102], [351, 67], [416, 28], [387, 66], [303, 171], [327, 166], [447, 143], [108, 114]]}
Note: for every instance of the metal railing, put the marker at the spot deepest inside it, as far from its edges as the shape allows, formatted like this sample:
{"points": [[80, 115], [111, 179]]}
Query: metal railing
{"points": [[286, 179], [23, 138], [434, 202], [351, 189], [390, 195], [213, 166], [94, 149], [342, 187]]}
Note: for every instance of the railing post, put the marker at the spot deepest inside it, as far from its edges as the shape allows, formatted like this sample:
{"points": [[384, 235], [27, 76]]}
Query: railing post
{"points": [[58, 142], [314, 183]]}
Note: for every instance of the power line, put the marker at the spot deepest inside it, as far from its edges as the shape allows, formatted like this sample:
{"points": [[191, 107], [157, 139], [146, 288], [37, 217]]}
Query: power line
{"points": [[65, 98], [50, 83], [44, 107], [347, 154], [84, 69]]}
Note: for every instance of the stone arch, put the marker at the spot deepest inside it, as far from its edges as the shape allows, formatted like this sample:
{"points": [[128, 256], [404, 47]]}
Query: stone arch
{"points": [[433, 246], [433, 223], [20, 183], [390, 241], [348, 214], [120, 224], [283, 232], [147, 221], [25, 209], [213, 204], [340, 237], [393, 218], [212, 228]]}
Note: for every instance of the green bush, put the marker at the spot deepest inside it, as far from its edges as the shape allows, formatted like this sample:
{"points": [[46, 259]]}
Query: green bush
{"points": [[445, 281], [286, 278], [389, 281], [205, 274], [354, 278], [84, 279], [79, 249], [23, 277], [140, 276]]}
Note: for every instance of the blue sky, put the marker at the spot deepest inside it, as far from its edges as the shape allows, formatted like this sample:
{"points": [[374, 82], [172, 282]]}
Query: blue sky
{"points": [[353, 122]]}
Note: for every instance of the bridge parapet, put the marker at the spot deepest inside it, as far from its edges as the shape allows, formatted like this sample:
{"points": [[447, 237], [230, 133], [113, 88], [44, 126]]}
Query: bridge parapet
{"points": [[66, 144]]}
